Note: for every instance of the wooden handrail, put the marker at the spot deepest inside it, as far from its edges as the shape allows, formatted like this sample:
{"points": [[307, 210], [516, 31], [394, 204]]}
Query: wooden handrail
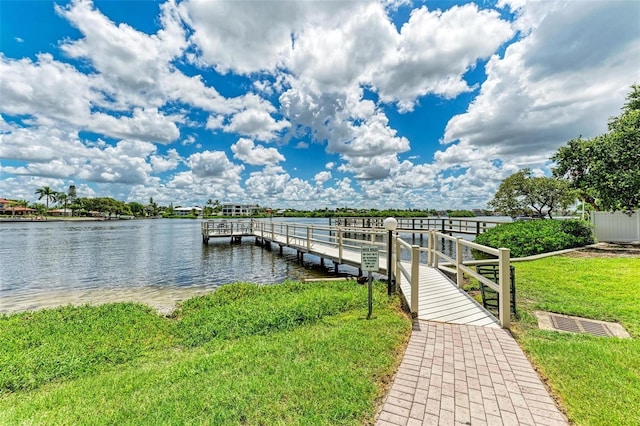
{"points": [[305, 236]]}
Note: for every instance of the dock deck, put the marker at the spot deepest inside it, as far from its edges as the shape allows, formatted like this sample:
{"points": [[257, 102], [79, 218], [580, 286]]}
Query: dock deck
{"points": [[439, 299]]}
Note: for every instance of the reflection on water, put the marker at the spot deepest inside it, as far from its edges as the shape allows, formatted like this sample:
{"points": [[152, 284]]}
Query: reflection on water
{"points": [[158, 262]]}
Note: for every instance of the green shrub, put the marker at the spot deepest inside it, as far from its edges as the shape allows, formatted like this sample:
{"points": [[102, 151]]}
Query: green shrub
{"points": [[537, 236]]}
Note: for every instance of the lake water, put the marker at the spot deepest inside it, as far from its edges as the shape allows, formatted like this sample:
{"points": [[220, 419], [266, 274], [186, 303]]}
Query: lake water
{"points": [[157, 262]]}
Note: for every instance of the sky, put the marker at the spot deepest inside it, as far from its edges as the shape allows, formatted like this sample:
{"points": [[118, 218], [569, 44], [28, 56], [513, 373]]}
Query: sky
{"points": [[303, 104]]}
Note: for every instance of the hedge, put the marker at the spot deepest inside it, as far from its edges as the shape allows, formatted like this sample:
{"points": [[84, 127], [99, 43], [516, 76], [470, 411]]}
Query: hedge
{"points": [[527, 238]]}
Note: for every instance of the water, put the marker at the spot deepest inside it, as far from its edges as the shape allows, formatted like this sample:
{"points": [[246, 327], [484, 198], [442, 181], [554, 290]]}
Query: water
{"points": [[157, 262]]}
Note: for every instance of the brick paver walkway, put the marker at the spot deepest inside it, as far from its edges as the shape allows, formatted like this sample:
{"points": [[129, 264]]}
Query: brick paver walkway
{"points": [[466, 375]]}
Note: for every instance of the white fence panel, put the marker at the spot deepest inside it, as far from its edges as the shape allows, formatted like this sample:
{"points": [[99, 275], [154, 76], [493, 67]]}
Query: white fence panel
{"points": [[616, 227]]}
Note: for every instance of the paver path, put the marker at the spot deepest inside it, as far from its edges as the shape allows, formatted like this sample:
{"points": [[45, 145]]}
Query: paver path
{"points": [[454, 374]]}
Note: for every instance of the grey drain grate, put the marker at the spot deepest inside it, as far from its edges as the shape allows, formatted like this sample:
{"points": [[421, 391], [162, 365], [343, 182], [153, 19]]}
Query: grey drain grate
{"points": [[559, 322], [579, 326]]}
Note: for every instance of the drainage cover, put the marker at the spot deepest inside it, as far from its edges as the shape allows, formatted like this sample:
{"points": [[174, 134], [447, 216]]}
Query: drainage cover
{"points": [[551, 321]]}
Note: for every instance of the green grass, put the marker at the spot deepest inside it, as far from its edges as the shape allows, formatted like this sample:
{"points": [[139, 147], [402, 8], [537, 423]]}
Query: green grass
{"points": [[597, 379], [286, 354]]}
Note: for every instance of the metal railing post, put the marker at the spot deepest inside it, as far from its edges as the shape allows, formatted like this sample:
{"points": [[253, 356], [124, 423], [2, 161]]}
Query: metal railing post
{"points": [[459, 274], [504, 283], [415, 278]]}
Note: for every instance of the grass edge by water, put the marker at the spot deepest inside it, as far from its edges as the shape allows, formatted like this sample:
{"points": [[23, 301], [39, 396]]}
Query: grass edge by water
{"points": [[386, 313]]}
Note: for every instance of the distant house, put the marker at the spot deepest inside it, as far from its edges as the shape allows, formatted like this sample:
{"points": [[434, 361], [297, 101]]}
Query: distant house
{"points": [[61, 212], [238, 209], [187, 211], [8, 208]]}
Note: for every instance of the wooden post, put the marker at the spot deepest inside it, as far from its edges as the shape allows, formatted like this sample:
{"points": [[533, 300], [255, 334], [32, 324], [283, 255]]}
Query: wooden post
{"points": [[415, 278], [287, 234], [504, 279], [339, 245], [309, 235], [429, 249], [398, 254], [477, 228], [459, 274], [435, 250]]}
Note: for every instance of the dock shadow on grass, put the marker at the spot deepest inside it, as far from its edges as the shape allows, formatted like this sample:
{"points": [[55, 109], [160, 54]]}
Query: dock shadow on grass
{"points": [[300, 363]]}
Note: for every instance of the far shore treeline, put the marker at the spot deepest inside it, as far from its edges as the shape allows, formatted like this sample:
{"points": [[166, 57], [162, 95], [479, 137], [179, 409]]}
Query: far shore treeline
{"points": [[67, 204]]}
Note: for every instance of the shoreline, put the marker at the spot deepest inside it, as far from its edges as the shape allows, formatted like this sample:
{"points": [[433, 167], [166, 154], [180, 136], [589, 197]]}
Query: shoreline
{"points": [[55, 219]]}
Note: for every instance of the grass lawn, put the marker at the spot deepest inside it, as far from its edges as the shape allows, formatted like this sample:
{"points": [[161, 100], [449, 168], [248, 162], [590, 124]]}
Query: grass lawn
{"points": [[287, 354], [596, 379]]}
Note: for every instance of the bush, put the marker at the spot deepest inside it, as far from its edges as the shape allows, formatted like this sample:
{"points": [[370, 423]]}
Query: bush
{"points": [[537, 236]]}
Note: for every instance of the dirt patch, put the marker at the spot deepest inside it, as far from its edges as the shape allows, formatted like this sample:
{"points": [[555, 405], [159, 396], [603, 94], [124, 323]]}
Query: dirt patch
{"points": [[607, 250]]}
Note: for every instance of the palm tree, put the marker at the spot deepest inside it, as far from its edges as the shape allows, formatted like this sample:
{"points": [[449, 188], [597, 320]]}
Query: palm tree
{"points": [[63, 199], [47, 193]]}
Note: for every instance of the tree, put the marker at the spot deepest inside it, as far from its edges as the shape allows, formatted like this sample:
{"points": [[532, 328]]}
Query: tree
{"points": [[522, 193], [72, 193], [606, 169], [136, 208], [47, 193], [63, 199]]}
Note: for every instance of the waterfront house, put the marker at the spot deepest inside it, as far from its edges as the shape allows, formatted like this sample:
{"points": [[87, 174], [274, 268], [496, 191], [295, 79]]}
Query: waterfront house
{"points": [[238, 209], [187, 211], [61, 212], [7, 207]]}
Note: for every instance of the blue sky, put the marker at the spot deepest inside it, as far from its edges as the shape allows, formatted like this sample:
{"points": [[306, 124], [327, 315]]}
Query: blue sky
{"points": [[303, 104]]}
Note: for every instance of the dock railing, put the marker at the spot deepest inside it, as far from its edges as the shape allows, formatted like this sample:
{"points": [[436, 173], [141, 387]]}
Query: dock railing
{"points": [[406, 258], [411, 274], [458, 267], [216, 228], [451, 225], [305, 236]]}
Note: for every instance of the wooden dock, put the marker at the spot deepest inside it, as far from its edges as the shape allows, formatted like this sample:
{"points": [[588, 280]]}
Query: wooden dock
{"points": [[442, 301], [437, 298], [446, 225]]}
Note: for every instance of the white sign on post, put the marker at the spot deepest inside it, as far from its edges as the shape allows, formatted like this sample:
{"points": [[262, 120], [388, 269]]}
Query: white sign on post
{"points": [[369, 256]]}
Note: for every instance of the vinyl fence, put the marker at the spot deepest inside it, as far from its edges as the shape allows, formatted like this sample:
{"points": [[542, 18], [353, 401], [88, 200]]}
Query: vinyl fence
{"points": [[616, 227]]}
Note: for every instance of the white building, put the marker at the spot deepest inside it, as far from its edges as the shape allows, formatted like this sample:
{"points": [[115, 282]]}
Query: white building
{"points": [[238, 209], [187, 211]]}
